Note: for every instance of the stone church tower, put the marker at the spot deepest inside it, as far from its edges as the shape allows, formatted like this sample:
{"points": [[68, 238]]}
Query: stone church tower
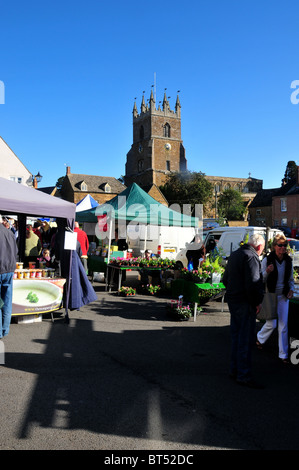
{"points": [[157, 148]]}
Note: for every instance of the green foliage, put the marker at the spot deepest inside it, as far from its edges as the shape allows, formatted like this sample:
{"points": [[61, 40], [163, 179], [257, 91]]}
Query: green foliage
{"points": [[59, 182], [187, 188], [231, 205], [291, 171]]}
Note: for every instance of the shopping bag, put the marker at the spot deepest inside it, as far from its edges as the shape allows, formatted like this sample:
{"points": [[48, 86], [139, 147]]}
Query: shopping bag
{"points": [[269, 307]]}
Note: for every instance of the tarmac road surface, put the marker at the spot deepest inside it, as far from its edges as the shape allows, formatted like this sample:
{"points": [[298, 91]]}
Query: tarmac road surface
{"points": [[122, 375]]}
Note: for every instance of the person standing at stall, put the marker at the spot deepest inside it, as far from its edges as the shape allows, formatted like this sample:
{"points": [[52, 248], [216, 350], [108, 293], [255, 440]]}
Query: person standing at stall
{"points": [[244, 294], [277, 270], [8, 258], [33, 246], [196, 253], [83, 240]]}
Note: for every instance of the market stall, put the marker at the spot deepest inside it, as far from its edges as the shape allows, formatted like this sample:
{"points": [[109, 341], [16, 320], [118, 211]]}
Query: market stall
{"points": [[133, 205], [198, 293], [23, 201]]}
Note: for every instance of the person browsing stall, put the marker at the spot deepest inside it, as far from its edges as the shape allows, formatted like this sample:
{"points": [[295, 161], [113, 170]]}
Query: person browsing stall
{"points": [[84, 243], [244, 294], [8, 258], [196, 252], [277, 270]]}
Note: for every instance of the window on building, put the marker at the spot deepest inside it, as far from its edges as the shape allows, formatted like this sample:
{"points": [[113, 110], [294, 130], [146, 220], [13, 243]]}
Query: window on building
{"points": [[284, 222], [166, 130], [83, 186], [141, 133], [283, 205], [258, 212], [168, 165], [140, 165], [107, 188], [276, 223], [16, 179]]}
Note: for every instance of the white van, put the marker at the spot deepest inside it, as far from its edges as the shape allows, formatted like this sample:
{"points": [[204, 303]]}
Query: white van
{"points": [[162, 241], [227, 239]]}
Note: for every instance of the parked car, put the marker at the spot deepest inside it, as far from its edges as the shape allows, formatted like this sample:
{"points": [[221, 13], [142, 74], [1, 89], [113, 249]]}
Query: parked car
{"points": [[294, 244], [162, 241], [226, 240], [287, 231]]}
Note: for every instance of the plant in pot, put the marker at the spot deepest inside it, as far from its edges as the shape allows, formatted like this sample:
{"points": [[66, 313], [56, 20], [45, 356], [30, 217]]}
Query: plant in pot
{"points": [[150, 289], [127, 291]]}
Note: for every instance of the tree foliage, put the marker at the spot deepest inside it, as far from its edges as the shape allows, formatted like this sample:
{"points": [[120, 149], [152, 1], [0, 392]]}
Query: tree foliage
{"points": [[231, 205], [291, 171], [187, 188], [59, 182]]}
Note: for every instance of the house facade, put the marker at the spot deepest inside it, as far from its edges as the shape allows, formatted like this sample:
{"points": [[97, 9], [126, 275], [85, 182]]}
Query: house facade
{"points": [[277, 207], [11, 167], [285, 205], [102, 188]]}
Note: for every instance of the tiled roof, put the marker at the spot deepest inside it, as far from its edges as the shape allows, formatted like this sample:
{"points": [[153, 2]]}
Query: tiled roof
{"points": [[264, 196], [95, 184]]}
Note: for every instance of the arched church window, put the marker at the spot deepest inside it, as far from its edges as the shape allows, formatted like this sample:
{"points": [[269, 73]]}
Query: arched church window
{"points": [[141, 133], [140, 165], [166, 130]]}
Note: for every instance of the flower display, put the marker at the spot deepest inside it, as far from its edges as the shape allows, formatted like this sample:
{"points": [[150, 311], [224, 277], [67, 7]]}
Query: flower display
{"points": [[149, 288], [127, 291], [181, 312], [204, 272], [142, 262]]}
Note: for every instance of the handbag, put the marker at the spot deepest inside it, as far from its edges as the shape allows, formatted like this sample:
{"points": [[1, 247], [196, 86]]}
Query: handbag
{"points": [[268, 309]]}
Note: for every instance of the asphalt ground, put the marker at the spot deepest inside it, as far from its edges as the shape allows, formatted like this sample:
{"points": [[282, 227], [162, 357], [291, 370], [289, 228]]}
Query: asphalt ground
{"points": [[123, 376]]}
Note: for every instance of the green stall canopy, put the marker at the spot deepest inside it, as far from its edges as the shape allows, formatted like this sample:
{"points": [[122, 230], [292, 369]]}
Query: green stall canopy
{"points": [[134, 204]]}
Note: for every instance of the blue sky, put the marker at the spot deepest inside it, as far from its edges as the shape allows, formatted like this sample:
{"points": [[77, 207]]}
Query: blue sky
{"points": [[72, 69]]}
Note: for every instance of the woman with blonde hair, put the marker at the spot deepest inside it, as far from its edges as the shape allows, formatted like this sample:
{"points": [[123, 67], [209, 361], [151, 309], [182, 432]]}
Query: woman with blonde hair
{"points": [[277, 270]]}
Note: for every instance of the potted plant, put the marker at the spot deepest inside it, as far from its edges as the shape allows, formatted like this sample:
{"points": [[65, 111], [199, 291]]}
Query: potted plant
{"points": [[150, 289], [180, 312], [183, 313], [127, 291]]}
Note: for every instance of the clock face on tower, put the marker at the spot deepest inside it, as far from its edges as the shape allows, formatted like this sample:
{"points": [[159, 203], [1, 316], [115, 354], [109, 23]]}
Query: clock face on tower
{"points": [[167, 146]]}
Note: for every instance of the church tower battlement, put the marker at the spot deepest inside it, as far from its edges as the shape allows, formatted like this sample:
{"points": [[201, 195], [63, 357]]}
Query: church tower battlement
{"points": [[157, 148]]}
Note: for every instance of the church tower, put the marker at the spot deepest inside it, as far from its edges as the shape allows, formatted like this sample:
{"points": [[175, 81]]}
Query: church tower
{"points": [[157, 148]]}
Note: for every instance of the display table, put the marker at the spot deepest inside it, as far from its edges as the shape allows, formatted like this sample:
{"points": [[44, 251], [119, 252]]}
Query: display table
{"points": [[115, 269], [96, 264], [192, 291], [33, 297]]}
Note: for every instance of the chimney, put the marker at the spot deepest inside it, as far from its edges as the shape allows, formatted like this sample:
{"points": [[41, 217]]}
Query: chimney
{"points": [[68, 170]]}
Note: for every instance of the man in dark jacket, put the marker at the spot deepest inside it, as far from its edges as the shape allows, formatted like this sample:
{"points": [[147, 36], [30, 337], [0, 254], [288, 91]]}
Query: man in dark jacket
{"points": [[244, 294], [8, 258]]}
